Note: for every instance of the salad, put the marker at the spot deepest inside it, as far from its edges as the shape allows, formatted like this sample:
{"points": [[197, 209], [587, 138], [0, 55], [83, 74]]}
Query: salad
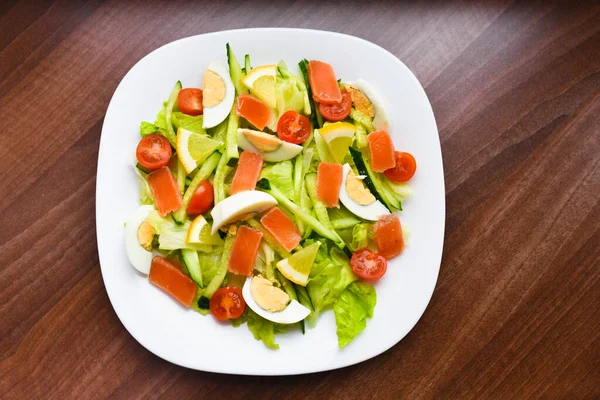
{"points": [[268, 197]]}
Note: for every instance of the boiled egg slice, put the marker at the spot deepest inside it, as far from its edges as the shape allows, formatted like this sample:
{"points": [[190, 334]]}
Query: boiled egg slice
{"points": [[218, 94], [269, 146], [379, 121], [355, 196], [138, 239], [271, 302], [238, 206]]}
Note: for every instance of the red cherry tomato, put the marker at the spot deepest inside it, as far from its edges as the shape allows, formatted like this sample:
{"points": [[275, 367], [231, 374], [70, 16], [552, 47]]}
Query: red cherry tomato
{"points": [[293, 127], [153, 151], [189, 101], [203, 199], [368, 265], [405, 168], [337, 111], [227, 303]]}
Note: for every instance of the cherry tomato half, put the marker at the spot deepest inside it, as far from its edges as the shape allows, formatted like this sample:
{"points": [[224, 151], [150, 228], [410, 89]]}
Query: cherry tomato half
{"points": [[405, 168], [293, 127], [202, 200], [368, 265], [227, 303], [337, 111], [189, 101], [153, 151]]}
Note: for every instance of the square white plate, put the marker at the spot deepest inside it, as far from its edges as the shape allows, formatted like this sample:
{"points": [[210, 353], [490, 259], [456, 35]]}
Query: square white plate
{"points": [[189, 339]]}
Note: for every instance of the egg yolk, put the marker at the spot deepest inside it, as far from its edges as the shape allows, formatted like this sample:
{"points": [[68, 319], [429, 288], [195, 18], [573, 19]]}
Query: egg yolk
{"points": [[213, 91]]}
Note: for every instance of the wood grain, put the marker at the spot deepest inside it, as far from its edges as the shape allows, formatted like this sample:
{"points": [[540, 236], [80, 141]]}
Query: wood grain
{"points": [[515, 87]]}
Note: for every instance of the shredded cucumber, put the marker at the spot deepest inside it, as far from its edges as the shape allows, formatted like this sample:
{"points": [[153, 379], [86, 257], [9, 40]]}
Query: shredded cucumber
{"points": [[318, 206], [247, 65], [287, 285], [203, 173], [192, 262], [219, 183], [235, 70], [300, 214], [231, 139], [362, 119], [283, 253], [170, 133], [217, 280], [361, 136]]}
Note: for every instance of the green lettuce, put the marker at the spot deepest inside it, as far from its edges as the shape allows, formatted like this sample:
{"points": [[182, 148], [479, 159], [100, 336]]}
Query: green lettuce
{"points": [[189, 122], [352, 309], [262, 329], [291, 92], [161, 120], [144, 191], [280, 174], [171, 236], [329, 277], [357, 237], [147, 128], [209, 263]]}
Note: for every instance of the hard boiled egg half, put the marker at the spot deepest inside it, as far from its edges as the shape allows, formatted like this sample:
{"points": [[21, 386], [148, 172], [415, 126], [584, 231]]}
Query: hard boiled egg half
{"points": [[371, 106], [355, 196], [270, 147], [138, 239], [272, 303], [218, 94], [238, 206]]}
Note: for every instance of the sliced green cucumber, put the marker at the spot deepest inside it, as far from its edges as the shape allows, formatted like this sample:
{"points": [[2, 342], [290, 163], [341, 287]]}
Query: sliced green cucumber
{"points": [[192, 262]]}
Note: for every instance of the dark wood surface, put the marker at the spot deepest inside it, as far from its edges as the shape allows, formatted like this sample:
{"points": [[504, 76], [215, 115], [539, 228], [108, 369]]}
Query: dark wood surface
{"points": [[515, 88]]}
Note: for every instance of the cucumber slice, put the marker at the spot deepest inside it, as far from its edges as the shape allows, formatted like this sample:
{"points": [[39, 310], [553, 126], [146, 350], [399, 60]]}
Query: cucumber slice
{"points": [[192, 262], [247, 65], [170, 133], [373, 181], [235, 70]]}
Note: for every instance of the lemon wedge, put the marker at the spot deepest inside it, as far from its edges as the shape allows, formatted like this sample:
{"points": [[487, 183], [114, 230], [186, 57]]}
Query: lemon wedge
{"points": [[339, 137], [200, 232], [193, 148], [261, 83], [297, 266]]}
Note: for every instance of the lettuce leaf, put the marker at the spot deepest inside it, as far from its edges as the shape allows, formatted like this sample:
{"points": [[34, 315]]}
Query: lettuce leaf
{"points": [[189, 122], [359, 236], [209, 263], [262, 329], [280, 174], [161, 121], [291, 92], [147, 128], [352, 309], [329, 277], [171, 236], [144, 191]]}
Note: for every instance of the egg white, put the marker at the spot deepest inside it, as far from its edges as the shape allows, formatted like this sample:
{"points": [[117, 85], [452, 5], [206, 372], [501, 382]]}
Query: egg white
{"points": [[213, 116], [372, 212], [379, 121], [294, 312], [286, 151], [140, 258], [241, 203]]}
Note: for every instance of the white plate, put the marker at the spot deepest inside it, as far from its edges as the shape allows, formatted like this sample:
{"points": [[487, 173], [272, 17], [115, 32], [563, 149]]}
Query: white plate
{"points": [[189, 339]]}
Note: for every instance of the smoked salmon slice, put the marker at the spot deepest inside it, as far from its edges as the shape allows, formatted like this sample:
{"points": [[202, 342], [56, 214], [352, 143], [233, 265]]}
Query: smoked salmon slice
{"points": [[165, 190], [244, 251], [329, 181], [282, 228], [247, 173], [254, 111], [382, 151], [388, 236], [323, 83], [166, 275]]}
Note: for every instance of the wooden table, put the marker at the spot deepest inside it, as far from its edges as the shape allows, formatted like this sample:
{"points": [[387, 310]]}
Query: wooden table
{"points": [[516, 93]]}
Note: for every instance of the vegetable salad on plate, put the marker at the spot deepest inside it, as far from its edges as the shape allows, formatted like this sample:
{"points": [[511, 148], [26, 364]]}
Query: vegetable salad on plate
{"points": [[268, 197]]}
